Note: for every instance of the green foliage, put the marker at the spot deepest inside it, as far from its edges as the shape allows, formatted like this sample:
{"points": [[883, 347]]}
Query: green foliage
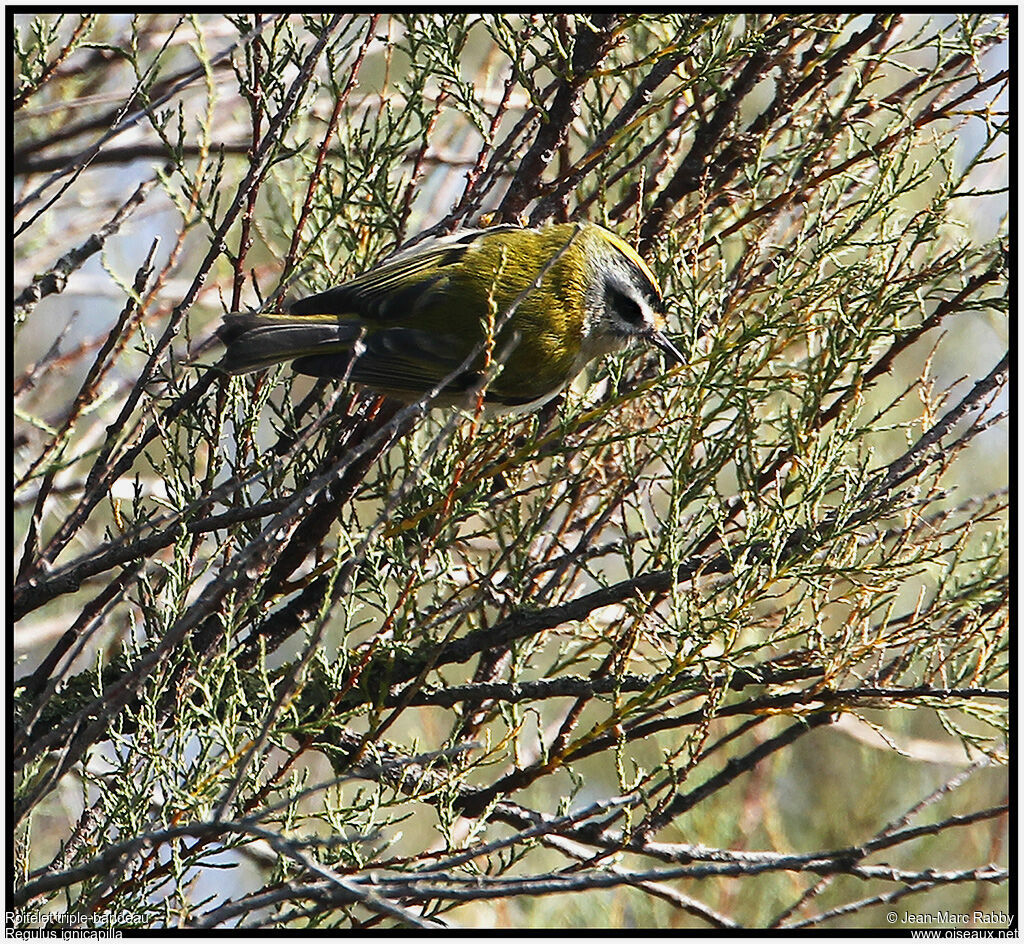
{"points": [[722, 646]]}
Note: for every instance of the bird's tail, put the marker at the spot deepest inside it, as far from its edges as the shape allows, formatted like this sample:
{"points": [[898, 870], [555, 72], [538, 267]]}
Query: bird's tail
{"points": [[255, 341]]}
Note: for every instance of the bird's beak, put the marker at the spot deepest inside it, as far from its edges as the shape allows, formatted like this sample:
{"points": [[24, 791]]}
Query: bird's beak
{"points": [[663, 344]]}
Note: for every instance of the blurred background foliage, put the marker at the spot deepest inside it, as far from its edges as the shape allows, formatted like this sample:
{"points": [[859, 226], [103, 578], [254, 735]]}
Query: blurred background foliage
{"points": [[720, 646]]}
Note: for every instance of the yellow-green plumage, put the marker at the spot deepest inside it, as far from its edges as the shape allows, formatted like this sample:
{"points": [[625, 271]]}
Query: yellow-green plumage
{"points": [[549, 334], [404, 326]]}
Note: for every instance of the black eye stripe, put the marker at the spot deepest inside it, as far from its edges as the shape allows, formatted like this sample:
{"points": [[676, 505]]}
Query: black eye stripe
{"points": [[641, 282], [626, 308]]}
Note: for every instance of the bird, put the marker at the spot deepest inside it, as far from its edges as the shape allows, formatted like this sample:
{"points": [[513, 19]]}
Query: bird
{"points": [[525, 309]]}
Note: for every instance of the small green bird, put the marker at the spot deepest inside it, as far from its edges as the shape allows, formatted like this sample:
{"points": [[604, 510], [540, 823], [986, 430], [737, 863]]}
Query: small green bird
{"points": [[545, 301]]}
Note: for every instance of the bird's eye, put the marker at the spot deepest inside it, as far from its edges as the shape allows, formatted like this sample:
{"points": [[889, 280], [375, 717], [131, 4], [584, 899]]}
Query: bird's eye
{"points": [[627, 309]]}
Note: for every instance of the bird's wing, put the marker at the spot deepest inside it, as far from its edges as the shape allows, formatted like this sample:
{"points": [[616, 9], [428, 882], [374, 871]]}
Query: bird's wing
{"points": [[397, 360], [398, 287]]}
